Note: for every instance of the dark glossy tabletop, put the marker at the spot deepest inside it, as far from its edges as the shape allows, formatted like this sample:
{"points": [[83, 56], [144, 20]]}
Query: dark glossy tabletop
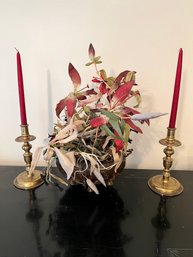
{"points": [[126, 220]]}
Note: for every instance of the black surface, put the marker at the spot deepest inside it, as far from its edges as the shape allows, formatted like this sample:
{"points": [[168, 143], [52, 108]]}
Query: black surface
{"points": [[126, 220]]}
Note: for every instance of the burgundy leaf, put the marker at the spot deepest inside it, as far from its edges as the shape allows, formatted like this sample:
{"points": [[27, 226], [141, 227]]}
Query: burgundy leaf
{"points": [[74, 75], [103, 88], [89, 100], [129, 110], [90, 92], [91, 52], [121, 76], [81, 97], [133, 126]]}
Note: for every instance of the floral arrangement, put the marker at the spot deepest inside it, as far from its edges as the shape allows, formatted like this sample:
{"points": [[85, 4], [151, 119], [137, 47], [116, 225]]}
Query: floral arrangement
{"points": [[93, 132]]}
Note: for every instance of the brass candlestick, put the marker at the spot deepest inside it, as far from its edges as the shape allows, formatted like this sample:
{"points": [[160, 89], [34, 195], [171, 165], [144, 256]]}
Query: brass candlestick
{"points": [[25, 180], [164, 184]]}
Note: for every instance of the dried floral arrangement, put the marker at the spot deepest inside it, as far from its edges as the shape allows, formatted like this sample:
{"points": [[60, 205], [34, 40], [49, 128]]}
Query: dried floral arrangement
{"points": [[91, 139]]}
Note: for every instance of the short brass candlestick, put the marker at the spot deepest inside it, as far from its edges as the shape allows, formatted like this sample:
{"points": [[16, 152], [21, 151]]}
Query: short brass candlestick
{"points": [[25, 180], [164, 184]]}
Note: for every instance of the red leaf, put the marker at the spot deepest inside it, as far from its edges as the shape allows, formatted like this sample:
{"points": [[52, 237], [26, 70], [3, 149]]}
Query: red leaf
{"points": [[133, 126], [70, 102], [121, 94], [91, 52], [60, 107], [130, 111], [98, 121], [103, 88], [74, 75], [119, 144], [96, 80], [82, 95]]}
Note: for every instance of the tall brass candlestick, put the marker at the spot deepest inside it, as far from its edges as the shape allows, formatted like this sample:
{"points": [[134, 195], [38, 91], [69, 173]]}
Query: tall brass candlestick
{"points": [[164, 184], [25, 180]]}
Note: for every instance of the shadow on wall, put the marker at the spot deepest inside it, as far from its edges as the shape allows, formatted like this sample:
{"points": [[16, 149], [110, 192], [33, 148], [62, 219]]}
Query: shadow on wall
{"points": [[142, 144], [50, 103]]}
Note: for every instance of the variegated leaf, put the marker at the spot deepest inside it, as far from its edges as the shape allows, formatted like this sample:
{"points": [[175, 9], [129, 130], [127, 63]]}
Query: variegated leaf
{"points": [[49, 153], [147, 116], [63, 133], [107, 141], [121, 94], [99, 176], [92, 186], [69, 138], [67, 161], [35, 159]]}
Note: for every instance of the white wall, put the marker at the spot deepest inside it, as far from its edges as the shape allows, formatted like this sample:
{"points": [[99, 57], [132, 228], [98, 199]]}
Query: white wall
{"points": [[141, 35]]}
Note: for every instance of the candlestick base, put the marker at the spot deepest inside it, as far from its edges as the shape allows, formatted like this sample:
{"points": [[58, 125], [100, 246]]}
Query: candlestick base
{"points": [[27, 182], [170, 188]]}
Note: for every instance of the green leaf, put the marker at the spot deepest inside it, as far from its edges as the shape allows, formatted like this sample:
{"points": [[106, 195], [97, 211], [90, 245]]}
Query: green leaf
{"points": [[130, 76], [109, 132], [138, 98], [122, 125], [89, 63], [96, 59], [110, 115], [127, 132], [103, 74], [86, 109], [110, 81], [115, 125]]}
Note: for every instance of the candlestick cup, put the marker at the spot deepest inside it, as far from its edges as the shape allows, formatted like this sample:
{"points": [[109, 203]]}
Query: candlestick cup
{"points": [[25, 180]]}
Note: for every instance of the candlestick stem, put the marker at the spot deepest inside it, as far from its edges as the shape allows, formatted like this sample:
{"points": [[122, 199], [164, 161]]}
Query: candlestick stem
{"points": [[25, 180], [164, 184]]}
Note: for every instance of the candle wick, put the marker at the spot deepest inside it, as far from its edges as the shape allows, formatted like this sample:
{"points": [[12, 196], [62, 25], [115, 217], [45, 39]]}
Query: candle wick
{"points": [[16, 49]]}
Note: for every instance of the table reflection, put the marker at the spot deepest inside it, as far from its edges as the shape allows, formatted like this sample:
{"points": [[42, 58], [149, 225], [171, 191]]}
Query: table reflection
{"points": [[161, 223], [34, 216], [86, 224]]}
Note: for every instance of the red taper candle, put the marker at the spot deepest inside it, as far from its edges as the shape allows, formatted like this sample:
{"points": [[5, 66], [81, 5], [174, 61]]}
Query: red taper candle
{"points": [[176, 93], [21, 91]]}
